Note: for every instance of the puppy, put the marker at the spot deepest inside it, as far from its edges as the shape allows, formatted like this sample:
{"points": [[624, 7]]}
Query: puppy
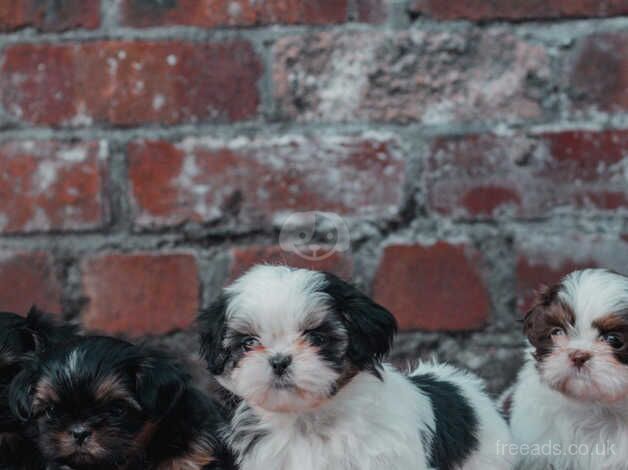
{"points": [[20, 338], [570, 404], [103, 403], [303, 349]]}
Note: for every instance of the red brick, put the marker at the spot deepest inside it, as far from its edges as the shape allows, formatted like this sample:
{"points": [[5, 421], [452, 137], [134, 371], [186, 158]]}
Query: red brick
{"points": [[545, 259], [433, 77], [215, 13], [52, 186], [27, 279], [339, 263], [527, 176], [126, 83], [49, 15], [433, 288], [597, 75], [140, 293], [478, 10], [259, 181]]}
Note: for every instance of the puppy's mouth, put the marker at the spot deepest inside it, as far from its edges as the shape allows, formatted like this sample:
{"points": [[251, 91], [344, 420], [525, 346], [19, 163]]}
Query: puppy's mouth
{"points": [[78, 458], [283, 383]]}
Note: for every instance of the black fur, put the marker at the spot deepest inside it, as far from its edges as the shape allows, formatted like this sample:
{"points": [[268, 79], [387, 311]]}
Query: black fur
{"points": [[455, 437], [212, 323], [22, 338], [151, 398], [370, 326], [246, 430]]}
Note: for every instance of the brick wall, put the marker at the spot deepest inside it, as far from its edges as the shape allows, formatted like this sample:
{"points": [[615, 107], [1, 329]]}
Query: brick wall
{"points": [[152, 149]]}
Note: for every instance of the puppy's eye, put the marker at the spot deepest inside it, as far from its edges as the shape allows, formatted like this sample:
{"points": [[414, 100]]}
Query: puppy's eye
{"points": [[117, 411], [316, 338], [557, 332], [51, 412], [250, 342], [614, 340]]}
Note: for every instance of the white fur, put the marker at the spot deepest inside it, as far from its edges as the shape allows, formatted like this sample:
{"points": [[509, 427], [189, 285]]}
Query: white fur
{"points": [[370, 424], [595, 414]]}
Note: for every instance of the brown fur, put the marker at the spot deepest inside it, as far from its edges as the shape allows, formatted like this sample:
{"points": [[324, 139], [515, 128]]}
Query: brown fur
{"points": [[111, 389], [616, 324], [547, 313], [45, 394], [199, 455]]}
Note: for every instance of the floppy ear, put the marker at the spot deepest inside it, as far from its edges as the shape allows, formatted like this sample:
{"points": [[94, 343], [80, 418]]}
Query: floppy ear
{"points": [[370, 326], [42, 329], [533, 320], [160, 382], [21, 394], [212, 323]]}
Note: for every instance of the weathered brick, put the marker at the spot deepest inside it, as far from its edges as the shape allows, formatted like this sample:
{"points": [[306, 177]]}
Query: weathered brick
{"points": [[261, 180], [371, 11], [478, 10], [215, 13], [27, 279], [319, 258], [140, 293], [543, 259], [433, 288], [427, 76], [528, 176], [55, 15], [597, 73], [52, 186], [130, 82]]}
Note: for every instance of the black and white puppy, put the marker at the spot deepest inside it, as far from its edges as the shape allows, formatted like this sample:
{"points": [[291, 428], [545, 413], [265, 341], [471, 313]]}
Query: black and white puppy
{"points": [[571, 398], [102, 403], [303, 349], [20, 339]]}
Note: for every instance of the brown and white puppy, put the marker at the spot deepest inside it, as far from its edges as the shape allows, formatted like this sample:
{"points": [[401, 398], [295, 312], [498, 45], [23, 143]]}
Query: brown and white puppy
{"points": [[20, 339], [103, 403], [571, 399]]}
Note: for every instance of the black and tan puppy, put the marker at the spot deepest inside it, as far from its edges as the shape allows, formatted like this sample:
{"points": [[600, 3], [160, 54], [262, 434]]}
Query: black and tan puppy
{"points": [[103, 403], [21, 338]]}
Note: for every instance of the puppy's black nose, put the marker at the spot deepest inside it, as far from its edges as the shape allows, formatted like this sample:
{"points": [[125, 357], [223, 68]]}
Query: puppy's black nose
{"points": [[80, 433], [579, 358], [280, 363]]}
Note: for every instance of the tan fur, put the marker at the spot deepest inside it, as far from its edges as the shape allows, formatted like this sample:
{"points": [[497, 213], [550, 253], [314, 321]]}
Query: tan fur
{"points": [[200, 455], [45, 394], [110, 389]]}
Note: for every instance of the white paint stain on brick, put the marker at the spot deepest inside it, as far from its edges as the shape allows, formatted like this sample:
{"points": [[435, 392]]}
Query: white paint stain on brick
{"points": [[45, 176], [39, 221], [158, 102], [234, 9], [172, 60], [347, 80], [112, 63], [81, 118]]}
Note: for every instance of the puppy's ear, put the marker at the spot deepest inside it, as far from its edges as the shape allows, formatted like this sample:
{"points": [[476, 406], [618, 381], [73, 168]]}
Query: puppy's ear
{"points": [[21, 394], [213, 322], [42, 329], [545, 296], [370, 326], [160, 382]]}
